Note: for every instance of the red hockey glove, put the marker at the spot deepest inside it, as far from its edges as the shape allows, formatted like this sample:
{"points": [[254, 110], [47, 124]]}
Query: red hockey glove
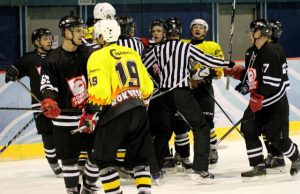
{"points": [[145, 41], [256, 101], [87, 122], [237, 71], [50, 108]]}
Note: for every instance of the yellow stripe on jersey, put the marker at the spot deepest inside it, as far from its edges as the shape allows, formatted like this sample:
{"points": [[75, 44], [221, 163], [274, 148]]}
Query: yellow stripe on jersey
{"points": [[113, 70]]}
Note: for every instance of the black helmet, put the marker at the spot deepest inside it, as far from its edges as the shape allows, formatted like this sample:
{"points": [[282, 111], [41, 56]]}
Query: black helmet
{"points": [[276, 28], [156, 22], [263, 25], [173, 27], [126, 23], [69, 22], [39, 33]]}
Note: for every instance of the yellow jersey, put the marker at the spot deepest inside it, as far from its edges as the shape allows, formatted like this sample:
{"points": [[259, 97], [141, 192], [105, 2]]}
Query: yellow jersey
{"points": [[211, 48], [117, 77]]}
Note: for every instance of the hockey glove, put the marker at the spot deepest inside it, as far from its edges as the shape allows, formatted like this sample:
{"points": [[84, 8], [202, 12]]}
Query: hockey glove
{"points": [[237, 71], [231, 64], [88, 122], [242, 88], [200, 74], [50, 108], [256, 101], [11, 74]]}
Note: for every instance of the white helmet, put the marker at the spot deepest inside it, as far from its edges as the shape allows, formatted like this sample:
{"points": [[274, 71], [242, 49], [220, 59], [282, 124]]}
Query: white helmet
{"points": [[104, 11], [200, 22], [109, 29]]}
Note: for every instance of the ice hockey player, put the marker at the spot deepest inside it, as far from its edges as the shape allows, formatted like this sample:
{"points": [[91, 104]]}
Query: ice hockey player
{"points": [[118, 84], [64, 86], [30, 65]]}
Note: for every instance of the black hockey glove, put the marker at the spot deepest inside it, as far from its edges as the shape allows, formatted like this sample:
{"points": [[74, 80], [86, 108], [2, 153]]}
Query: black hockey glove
{"points": [[11, 74], [231, 64], [242, 88]]}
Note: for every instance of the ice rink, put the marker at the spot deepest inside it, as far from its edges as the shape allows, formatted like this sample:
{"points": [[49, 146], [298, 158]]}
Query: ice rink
{"points": [[35, 177]]}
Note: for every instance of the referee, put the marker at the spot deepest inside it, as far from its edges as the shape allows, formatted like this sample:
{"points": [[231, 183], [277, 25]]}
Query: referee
{"points": [[173, 57], [127, 38]]}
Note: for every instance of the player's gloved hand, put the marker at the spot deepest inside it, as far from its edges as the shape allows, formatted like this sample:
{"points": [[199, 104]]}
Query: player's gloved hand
{"points": [[231, 64], [145, 41], [50, 108], [242, 88], [11, 73], [88, 122], [256, 101], [200, 74], [237, 71]]}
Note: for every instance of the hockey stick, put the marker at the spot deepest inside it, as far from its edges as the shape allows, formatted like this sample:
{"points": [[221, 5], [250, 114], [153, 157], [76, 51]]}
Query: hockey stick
{"points": [[28, 90], [229, 131], [38, 110], [230, 38], [222, 110], [18, 134]]}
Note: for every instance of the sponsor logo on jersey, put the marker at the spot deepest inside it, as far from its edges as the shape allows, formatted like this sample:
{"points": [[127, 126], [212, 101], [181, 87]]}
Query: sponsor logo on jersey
{"points": [[78, 87], [252, 82], [117, 54]]}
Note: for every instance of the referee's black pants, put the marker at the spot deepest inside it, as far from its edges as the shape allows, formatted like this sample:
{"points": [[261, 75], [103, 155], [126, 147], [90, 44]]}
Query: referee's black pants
{"points": [[184, 101]]}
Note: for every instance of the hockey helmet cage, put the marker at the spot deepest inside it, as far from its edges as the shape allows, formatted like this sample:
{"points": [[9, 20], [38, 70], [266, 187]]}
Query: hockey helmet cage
{"points": [[199, 22], [104, 11], [276, 28], [109, 29], [70, 21], [126, 23], [263, 25], [39, 33], [173, 27]]}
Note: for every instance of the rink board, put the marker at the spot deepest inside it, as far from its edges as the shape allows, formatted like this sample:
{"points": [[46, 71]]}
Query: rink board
{"points": [[28, 145]]}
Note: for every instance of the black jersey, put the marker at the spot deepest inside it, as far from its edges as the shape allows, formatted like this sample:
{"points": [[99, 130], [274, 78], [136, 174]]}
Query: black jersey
{"points": [[133, 43], [30, 65], [64, 80], [266, 71], [173, 57]]}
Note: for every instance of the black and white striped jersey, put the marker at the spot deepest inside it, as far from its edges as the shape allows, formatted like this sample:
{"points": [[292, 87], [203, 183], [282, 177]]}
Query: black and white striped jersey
{"points": [[270, 71], [133, 43], [173, 58]]}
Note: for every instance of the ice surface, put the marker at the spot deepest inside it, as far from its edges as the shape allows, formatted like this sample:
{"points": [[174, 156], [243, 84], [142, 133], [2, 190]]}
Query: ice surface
{"points": [[35, 177]]}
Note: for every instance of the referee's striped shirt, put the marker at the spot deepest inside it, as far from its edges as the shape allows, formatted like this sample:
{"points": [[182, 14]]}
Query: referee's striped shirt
{"points": [[133, 43], [173, 57]]}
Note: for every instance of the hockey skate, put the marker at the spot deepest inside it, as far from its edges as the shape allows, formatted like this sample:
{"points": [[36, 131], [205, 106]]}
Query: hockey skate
{"points": [[56, 170], [203, 177], [157, 178], [73, 190], [169, 165], [126, 176], [213, 156], [257, 173], [275, 164], [295, 167]]}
